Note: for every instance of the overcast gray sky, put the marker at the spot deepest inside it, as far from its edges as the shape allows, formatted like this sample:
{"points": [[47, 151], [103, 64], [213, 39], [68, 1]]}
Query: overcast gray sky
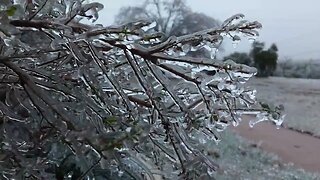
{"points": [[292, 25]]}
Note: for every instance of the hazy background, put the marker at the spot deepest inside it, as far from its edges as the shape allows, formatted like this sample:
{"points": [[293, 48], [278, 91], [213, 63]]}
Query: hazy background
{"points": [[292, 25]]}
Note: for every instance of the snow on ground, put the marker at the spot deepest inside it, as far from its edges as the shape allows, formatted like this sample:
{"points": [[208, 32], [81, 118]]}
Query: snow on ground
{"points": [[300, 97]]}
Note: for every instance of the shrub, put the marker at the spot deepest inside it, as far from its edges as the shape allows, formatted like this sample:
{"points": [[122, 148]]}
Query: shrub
{"points": [[82, 101]]}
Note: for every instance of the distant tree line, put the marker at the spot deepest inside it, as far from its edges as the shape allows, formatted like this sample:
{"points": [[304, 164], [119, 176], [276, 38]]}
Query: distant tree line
{"points": [[264, 60], [267, 63], [298, 69]]}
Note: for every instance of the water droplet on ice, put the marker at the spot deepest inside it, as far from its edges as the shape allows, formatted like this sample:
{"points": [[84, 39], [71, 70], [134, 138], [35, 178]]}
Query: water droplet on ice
{"points": [[221, 86], [128, 129], [280, 121], [202, 140], [210, 172], [120, 173], [251, 40], [251, 123], [150, 26], [186, 48], [213, 55]]}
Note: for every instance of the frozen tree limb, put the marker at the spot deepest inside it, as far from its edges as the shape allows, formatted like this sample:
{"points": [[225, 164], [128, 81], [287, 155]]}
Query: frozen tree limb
{"points": [[96, 100]]}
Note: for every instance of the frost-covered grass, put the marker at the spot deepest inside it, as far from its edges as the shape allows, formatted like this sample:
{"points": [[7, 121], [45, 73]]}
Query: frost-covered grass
{"points": [[239, 159], [300, 97]]}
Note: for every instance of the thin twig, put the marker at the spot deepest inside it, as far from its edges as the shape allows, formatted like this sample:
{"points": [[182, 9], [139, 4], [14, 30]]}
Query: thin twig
{"points": [[90, 168], [39, 9]]}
